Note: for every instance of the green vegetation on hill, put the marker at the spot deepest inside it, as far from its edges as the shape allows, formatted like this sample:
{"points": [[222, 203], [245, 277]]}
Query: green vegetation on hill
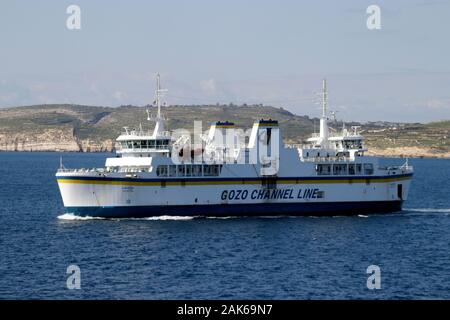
{"points": [[100, 123], [433, 135]]}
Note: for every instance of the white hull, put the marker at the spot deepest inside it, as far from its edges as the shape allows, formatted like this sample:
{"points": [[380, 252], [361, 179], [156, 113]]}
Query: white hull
{"points": [[91, 192]]}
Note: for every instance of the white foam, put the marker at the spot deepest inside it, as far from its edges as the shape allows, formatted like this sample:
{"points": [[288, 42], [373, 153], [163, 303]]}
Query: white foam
{"points": [[71, 216], [223, 218], [362, 216], [170, 218]]}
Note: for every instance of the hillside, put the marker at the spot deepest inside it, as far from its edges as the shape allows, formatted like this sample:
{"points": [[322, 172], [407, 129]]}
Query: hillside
{"points": [[88, 128]]}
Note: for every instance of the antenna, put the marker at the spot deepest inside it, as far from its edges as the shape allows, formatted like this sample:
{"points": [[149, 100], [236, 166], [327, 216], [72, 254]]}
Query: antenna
{"points": [[324, 98], [355, 129], [333, 115], [159, 92]]}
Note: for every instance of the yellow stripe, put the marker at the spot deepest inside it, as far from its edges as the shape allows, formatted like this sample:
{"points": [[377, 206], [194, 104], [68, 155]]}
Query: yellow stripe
{"points": [[237, 182]]}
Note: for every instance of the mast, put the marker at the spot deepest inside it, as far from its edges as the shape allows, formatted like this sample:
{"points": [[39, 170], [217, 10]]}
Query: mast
{"points": [[158, 94], [324, 98], [323, 119], [159, 119]]}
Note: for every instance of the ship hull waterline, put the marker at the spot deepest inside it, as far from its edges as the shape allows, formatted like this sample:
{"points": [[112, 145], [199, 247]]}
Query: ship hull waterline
{"points": [[242, 210]]}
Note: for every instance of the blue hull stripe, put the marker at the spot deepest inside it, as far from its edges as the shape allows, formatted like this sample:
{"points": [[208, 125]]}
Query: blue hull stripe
{"points": [[260, 209]]}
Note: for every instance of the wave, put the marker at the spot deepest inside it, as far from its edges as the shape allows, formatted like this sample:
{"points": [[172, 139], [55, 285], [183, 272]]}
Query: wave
{"points": [[362, 216], [426, 210]]}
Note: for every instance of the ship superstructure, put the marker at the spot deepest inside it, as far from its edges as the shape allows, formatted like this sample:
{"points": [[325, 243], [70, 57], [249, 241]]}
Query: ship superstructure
{"points": [[228, 174]]}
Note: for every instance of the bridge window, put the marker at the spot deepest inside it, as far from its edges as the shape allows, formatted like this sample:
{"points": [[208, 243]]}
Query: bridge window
{"points": [[136, 144]]}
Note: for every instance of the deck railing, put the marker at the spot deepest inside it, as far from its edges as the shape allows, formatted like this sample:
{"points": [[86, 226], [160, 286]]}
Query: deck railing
{"points": [[145, 133]]}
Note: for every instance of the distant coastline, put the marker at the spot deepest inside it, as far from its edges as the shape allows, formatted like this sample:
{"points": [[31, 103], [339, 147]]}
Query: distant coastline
{"points": [[388, 153], [77, 128]]}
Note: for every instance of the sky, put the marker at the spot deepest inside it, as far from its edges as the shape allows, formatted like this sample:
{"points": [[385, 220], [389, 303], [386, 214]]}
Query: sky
{"points": [[233, 51]]}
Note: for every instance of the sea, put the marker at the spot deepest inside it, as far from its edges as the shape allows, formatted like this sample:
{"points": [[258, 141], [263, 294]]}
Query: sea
{"points": [[42, 248]]}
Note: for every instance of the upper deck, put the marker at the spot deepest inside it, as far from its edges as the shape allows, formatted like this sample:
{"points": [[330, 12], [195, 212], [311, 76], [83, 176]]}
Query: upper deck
{"points": [[224, 152]]}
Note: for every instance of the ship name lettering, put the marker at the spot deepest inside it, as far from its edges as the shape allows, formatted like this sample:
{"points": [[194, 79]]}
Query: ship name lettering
{"points": [[234, 194], [308, 194]]}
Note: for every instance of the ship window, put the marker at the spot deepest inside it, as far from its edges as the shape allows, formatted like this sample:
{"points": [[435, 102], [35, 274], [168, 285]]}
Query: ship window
{"points": [[339, 169], [368, 168], [211, 170], [172, 170], [188, 170], [207, 170], [323, 169], [161, 171], [144, 144], [196, 170], [181, 170], [129, 144], [358, 168], [400, 191], [351, 169], [151, 143]]}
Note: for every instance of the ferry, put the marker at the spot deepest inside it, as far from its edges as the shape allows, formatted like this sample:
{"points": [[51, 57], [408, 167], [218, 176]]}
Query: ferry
{"points": [[230, 173]]}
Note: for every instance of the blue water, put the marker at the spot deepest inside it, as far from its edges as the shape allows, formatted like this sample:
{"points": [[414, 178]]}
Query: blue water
{"points": [[247, 258]]}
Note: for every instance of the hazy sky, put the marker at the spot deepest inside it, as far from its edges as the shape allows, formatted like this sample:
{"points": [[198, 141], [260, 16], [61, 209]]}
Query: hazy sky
{"points": [[271, 52]]}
